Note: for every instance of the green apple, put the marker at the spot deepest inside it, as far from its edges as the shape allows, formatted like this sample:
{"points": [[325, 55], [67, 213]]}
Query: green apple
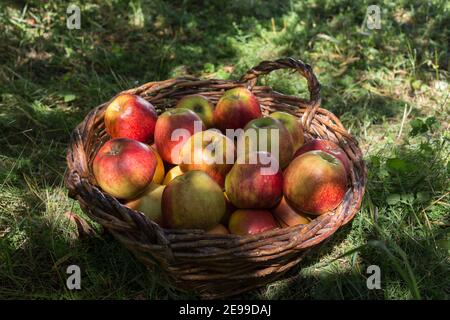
{"points": [[149, 203], [269, 134], [193, 201]]}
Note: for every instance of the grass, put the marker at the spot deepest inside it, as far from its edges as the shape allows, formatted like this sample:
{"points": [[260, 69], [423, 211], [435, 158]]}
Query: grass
{"points": [[390, 88]]}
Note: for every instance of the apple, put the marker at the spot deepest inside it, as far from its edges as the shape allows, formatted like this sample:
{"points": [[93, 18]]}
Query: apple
{"points": [[131, 116], [201, 106], [287, 216], [193, 201], [124, 167], [315, 182], [236, 108], [158, 177], [246, 221], [172, 174], [230, 208], [209, 151], [149, 203], [292, 125], [172, 130], [218, 229], [254, 184], [328, 147], [263, 129]]}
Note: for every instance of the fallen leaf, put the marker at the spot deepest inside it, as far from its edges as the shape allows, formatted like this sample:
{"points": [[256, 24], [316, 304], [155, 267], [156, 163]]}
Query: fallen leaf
{"points": [[84, 229], [228, 69]]}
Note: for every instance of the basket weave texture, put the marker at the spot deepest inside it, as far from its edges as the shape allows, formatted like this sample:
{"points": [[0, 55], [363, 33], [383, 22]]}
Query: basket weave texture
{"points": [[216, 266]]}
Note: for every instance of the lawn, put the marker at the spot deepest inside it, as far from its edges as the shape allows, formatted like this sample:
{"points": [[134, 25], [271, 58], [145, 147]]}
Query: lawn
{"points": [[389, 86]]}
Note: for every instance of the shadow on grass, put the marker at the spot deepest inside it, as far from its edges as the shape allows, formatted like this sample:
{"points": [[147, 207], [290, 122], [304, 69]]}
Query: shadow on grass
{"points": [[33, 266]]}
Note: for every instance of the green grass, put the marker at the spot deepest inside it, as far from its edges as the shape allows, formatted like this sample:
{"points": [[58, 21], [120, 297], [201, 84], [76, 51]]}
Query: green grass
{"points": [[389, 87]]}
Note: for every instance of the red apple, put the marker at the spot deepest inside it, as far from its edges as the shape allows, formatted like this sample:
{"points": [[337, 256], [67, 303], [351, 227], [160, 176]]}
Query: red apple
{"points": [[235, 109], [149, 203], [287, 216], [255, 181], [328, 147], [172, 130], [201, 106], [208, 151], [245, 221], [193, 201], [131, 116], [315, 182], [269, 134], [124, 167], [293, 125], [218, 229]]}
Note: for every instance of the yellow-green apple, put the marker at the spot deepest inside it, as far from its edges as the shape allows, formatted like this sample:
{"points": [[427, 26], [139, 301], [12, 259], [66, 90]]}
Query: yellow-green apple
{"points": [[269, 134], [255, 181], [235, 109], [172, 174], [124, 167], [218, 229], [292, 125], [131, 116], [172, 130], [193, 201], [230, 209], [149, 203], [209, 151], [247, 221], [201, 106], [328, 147], [315, 182], [287, 216], [158, 177]]}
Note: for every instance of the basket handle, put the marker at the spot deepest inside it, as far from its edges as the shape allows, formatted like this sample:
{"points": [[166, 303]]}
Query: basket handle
{"points": [[265, 67]]}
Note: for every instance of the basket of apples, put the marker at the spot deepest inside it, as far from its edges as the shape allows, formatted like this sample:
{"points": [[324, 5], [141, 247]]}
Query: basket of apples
{"points": [[224, 185]]}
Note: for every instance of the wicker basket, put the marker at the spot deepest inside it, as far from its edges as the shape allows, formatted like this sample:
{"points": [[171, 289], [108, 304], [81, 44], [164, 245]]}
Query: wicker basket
{"points": [[216, 266]]}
